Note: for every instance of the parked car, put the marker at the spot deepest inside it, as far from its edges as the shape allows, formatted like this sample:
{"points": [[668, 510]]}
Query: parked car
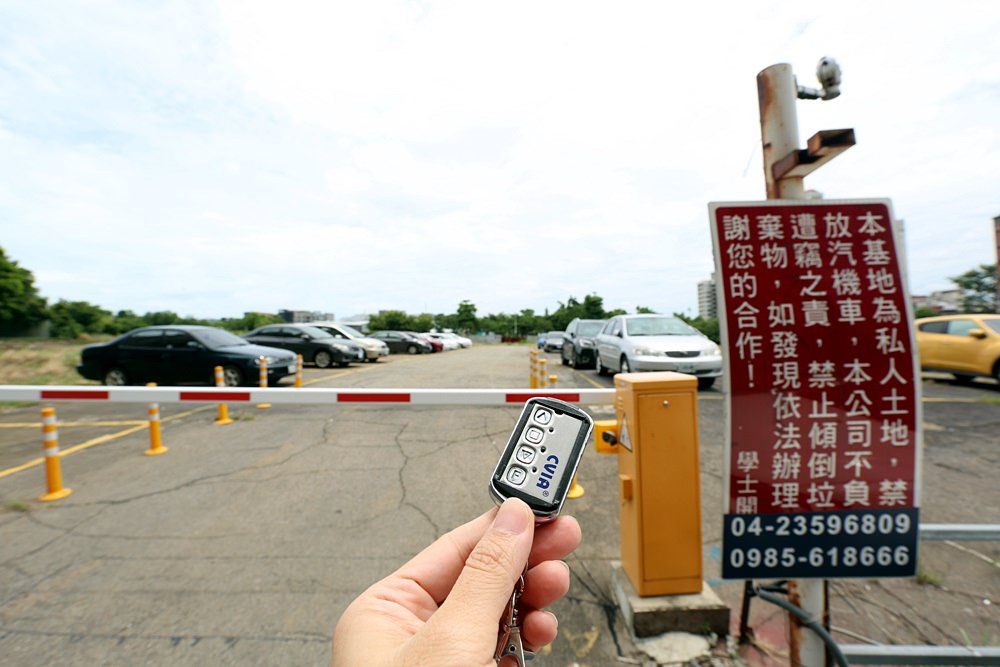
{"points": [[553, 341], [647, 342], [448, 343], [964, 345], [315, 345], [181, 354], [461, 340], [400, 341], [374, 349], [579, 349], [436, 345]]}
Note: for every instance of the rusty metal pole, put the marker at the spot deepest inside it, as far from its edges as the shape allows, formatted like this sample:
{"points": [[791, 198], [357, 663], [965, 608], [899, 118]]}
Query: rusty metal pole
{"points": [[777, 94], [779, 127]]}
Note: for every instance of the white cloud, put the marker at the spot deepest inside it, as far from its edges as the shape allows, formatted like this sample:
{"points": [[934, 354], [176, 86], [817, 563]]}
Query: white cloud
{"points": [[356, 156]]}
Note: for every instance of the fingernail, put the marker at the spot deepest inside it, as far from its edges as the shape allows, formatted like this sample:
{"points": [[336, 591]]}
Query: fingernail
{"points": [[511, 518]]}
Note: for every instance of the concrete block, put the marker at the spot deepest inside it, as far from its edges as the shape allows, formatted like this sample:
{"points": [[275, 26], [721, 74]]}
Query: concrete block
{"points": [[701, 613]]}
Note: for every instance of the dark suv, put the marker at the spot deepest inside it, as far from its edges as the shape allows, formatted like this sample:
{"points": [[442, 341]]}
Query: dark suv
{"points": [[578, 349]]}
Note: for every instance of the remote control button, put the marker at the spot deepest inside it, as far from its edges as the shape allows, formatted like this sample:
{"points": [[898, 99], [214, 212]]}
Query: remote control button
{"points": [[534, 435], [543, 416], [516, 475], [526, 454]]}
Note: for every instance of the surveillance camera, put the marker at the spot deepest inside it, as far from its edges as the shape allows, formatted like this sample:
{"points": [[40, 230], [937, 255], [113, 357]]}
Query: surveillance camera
{"points": [[828, 73]]}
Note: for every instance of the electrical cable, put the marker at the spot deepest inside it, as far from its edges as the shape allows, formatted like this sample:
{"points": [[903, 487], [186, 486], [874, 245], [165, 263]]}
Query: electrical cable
{"points": [[807, 620]]}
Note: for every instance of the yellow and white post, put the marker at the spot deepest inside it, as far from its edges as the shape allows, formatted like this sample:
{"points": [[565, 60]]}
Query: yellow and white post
{"points": [[220, 381], [298, 371], [540, 381], [263, 381], [53, 464], [575, 490], [155, 437], [532, 370]]}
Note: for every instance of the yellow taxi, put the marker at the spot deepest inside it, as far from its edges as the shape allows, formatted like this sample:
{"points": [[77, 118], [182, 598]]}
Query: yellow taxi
{"points": [[963, 345]]}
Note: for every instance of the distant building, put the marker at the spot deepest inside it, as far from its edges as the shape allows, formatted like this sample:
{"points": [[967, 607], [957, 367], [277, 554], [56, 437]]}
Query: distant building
{"points": [[708, 307], [944, 302], [305, 316]]}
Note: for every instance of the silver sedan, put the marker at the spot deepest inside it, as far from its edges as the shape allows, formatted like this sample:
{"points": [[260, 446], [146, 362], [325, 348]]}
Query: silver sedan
{"points": [[632, 343]]}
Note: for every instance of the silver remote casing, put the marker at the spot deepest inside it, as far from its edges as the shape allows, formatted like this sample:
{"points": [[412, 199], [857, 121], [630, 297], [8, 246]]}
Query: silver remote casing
{"points": [[542, 455]]}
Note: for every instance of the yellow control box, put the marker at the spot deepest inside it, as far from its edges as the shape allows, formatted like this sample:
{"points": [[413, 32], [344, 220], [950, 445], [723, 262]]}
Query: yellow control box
{"points": [[659, 490]]}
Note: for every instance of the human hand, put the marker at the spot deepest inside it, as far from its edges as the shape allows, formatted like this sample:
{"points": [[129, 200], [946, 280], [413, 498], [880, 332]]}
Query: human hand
{"points": [[443, 607]]}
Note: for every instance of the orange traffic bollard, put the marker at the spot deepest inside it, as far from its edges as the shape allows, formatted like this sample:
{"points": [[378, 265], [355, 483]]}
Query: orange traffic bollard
{"points": [[263, 381], [53, 465], [542, 374], [155, 438], [298, 371], [220, 381], [552, 381]]}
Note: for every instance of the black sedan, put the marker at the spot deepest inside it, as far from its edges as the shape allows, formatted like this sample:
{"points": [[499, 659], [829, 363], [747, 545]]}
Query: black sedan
{"points": [[401, 341], [181, 354], [314, 344]]}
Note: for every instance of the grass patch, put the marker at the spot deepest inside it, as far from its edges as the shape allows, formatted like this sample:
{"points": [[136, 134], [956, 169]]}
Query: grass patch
{"points": [[17, 506], [928, 578], [40, 361]]}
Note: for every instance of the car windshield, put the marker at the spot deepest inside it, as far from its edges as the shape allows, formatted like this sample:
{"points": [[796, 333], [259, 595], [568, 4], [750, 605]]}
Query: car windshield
{"points": [[350, 331], [218, 338], [555, 334], [993, 323], [316, 332], [657, 326], [590, 328]]}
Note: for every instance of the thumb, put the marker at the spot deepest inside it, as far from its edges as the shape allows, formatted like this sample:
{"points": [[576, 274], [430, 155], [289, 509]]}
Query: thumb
{"points": [[485, 584]]}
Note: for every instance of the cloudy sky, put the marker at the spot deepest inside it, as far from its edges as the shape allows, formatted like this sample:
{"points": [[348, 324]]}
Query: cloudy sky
{"points": [[212, 158]]}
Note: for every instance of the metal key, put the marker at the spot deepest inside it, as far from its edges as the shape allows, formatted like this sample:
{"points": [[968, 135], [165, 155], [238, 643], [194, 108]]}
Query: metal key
{"points": [[509, 637]]}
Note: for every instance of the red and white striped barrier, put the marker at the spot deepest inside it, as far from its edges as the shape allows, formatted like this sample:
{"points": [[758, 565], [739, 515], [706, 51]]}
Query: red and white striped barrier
{"points": [[291, 396]]}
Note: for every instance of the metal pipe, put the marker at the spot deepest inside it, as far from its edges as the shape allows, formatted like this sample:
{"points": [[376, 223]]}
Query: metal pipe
{"points": [[864, 654], [960, 532], [777, 93]]}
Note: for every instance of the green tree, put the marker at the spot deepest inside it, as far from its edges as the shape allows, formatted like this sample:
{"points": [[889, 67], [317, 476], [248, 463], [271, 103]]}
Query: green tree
{"points": [[393, 320], [465, 318], [21, 305], [161, 317], [70, 319], [708, 326], [248, 322], [979, 289], [422, 323]]}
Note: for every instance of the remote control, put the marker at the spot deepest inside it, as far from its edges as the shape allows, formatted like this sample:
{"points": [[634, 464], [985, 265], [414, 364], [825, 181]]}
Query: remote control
{"points": [[541, 456]]}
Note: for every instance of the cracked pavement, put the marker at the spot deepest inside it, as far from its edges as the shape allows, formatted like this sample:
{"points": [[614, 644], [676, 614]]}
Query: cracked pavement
{"points": [[244, 543]]}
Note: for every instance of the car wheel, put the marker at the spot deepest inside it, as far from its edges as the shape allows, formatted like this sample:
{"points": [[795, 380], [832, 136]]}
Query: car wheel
{"points": [[323, 359], [571, 362], [231, 376], [115, 377], [624, 365], [599, 367], [412, 349], [705, 383]]}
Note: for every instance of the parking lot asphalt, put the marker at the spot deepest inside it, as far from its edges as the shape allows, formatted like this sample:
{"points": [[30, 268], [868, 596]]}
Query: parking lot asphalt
{"points": [[244, 543]]}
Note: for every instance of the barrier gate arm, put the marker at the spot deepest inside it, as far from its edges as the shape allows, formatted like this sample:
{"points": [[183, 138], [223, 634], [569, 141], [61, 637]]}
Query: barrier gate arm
{"points": [[297, 396]]}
